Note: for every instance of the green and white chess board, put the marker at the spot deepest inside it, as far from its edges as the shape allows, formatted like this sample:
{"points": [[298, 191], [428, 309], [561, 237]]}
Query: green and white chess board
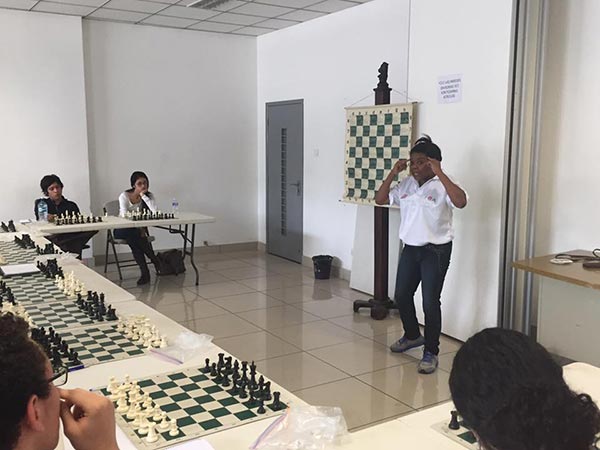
{"points": [[376, 137]]}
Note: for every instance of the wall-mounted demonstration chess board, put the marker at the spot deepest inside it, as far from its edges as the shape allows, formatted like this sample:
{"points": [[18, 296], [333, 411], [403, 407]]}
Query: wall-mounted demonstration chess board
{"points": [[191, 403], [376, 137]]}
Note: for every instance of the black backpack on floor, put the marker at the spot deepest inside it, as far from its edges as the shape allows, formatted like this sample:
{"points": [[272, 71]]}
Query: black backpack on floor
{"points": [[171, 262]]}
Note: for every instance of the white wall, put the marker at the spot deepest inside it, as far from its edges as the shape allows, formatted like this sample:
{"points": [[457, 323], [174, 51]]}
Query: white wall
{"points": [[180, 106], [471, 38], [42, 109], [330, 62], [568, 213]]}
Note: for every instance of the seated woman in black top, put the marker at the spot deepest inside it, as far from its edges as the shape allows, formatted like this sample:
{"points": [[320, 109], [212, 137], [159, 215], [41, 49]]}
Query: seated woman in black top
{"points": [[138, 198], [512, 395], [52, 188]]}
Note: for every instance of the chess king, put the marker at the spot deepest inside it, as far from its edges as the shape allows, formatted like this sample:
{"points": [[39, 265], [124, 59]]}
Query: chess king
{"points": [[427, 199], [52, 188], [32, 404]]}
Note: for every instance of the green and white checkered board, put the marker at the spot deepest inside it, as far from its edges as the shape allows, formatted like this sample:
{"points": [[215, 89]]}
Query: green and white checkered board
{"points": [[12, 253], [376, 137], [462, 436], [58, 315], [199, 405], [101, 344], [34, 288]]}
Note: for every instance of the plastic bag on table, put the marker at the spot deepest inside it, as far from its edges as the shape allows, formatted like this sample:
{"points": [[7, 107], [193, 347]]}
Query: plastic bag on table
{"points": [[304, 428], [187, 345]]}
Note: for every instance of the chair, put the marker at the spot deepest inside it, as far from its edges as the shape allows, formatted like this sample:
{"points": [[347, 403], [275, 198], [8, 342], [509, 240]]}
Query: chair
{"points": [[112, 209]]}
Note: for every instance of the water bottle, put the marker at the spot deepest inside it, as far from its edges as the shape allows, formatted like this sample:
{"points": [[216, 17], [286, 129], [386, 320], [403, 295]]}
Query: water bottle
{"points": [[42, 210], [174, 206]]}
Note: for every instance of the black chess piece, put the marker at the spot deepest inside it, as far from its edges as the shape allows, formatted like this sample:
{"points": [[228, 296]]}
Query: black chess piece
{"points": [[277, 405], [226, 382], [213, 370], [261, 407], [252, 368], [11, 226], [219, 376], [4, 227], [252, 382], [221, 361], [242, 391], [111, 314], [206, 369], [234, 390], [266, 393], [252, 402], [454, 425]]}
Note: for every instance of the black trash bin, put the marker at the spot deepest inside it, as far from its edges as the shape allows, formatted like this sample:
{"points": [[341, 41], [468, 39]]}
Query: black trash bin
{"points": [[322, 264]]}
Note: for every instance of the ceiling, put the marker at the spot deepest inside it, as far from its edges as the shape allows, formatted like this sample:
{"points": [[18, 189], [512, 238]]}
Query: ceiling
{"points": [[242, 17]]}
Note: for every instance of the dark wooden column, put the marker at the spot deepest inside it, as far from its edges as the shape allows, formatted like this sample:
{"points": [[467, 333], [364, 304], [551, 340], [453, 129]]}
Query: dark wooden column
{"points": [[380, 303]]}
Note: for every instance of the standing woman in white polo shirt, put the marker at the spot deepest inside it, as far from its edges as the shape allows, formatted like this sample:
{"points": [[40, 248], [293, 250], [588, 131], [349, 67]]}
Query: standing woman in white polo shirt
{"points": [[426, 199]]}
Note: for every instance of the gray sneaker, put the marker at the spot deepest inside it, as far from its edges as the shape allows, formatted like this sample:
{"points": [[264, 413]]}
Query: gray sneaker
{"points": [[428, 363], [404, 344]]}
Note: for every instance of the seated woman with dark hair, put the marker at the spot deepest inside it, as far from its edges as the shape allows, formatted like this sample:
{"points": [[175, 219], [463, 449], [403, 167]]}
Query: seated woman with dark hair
{"points": [[138, 198], [56, 204], [512, 395]]}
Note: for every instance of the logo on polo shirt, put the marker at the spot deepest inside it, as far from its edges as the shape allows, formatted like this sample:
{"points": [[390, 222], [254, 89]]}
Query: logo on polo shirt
{"points": [[431, 199]]}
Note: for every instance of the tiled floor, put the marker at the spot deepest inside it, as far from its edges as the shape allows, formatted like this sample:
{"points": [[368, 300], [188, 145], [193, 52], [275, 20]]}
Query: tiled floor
{"points": [[302, 331]]}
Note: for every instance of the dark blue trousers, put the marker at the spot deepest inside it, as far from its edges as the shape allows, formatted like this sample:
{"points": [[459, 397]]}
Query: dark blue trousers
{"points": [[426, 265]]}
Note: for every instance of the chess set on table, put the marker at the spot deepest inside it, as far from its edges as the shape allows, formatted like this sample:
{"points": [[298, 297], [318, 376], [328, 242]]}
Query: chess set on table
{"points": [[166, 409], [75, 219], [148, 215], [85, 347]]}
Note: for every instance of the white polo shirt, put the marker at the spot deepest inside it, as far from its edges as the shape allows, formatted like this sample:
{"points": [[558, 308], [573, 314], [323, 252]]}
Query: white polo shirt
{"points": [[426, 212]]}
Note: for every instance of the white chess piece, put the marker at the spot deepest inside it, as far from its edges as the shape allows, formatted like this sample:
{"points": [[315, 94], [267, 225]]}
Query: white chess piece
{"points": [[133, 410], [144, 424], [163, 342], [122, 405], [158, 414], [173, 430], [152, 435], [164, 422], [138, 418]]}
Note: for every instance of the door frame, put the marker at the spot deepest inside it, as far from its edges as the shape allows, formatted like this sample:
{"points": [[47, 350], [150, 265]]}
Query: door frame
{"points": [[300, 102]]}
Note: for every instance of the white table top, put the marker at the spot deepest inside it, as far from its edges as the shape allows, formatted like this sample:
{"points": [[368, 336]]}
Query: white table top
{"points": [[112, 222], [412, 431], [143, 366]]}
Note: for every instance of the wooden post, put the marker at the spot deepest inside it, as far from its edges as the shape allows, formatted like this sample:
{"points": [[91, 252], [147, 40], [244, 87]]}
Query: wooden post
{"points": [[380, 303]]}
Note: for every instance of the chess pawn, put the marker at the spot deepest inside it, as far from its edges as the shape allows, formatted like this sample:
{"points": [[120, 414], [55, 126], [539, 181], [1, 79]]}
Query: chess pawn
{"points": [[454, 425], [158, 414], [133, 410], [173, 430], [139, 418], [122, 405], [163, 342], [144, 425], [147, 401], [164, 422], [152, 435]]}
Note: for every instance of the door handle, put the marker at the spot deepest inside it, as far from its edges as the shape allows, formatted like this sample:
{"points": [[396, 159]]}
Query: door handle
{"points": [[297, 184]]}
